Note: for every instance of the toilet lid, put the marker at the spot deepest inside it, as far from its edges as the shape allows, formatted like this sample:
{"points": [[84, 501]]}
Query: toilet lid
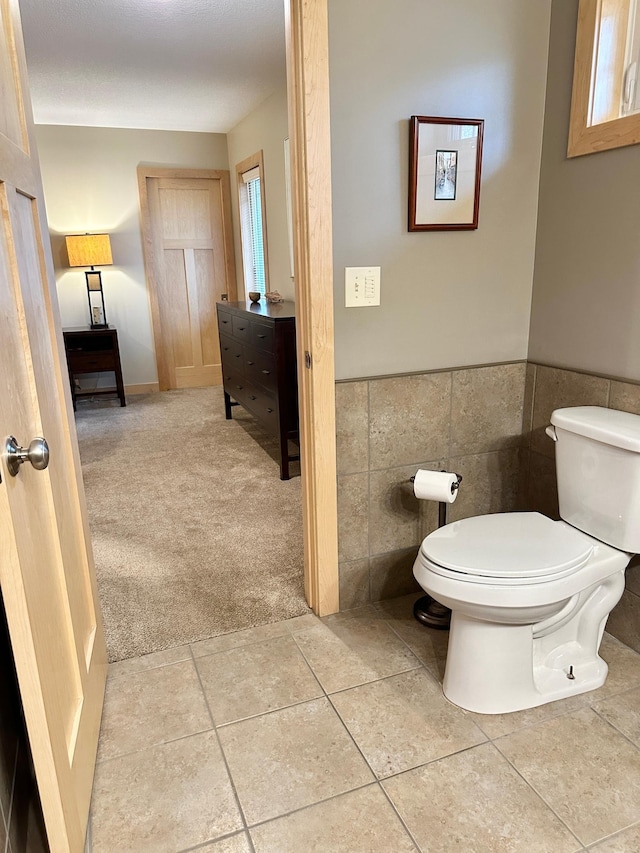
{"points": [[508, 545]]}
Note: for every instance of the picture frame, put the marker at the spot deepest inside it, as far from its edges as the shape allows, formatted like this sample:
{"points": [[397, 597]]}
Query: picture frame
{"points": [[445, 162]]}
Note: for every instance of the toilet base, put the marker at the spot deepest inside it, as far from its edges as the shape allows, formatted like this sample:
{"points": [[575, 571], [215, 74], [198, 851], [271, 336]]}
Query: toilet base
{"points": [[431, 613], [490, 668]]}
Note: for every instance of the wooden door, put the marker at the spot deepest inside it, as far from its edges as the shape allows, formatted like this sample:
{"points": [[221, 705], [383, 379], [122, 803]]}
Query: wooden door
{"points": [[46, 565], [188, 247]]}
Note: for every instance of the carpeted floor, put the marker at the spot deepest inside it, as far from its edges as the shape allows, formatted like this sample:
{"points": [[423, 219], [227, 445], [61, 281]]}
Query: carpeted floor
{"points": [[194, 533]]}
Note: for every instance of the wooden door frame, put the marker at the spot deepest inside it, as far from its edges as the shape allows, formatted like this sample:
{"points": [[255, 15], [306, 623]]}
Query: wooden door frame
{"points": [[307, 48], [164, 355]]}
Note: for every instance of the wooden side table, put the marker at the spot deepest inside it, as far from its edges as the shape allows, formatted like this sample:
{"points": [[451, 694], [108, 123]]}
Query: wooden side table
{"points": [[93, 351]]}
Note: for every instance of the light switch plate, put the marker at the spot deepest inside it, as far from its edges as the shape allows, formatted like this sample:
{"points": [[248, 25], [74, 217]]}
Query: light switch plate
{"points": [[361, 286]]}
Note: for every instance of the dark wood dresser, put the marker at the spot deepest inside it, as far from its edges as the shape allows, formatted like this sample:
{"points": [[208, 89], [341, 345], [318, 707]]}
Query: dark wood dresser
{"points": [[93, 351], [258, 349]]}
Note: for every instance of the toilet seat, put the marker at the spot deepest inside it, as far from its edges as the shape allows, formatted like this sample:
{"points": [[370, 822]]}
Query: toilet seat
{"points": [[514, 548]]}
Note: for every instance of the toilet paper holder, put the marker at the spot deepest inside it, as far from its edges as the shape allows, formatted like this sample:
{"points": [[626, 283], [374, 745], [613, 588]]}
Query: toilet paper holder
{"points": [[426, 609], [454, 486]]}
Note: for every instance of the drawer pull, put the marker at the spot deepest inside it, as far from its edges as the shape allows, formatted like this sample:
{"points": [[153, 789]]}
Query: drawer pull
{"points": [[252, 397], [262, 336], [266, 372], [225, 322], [251, 363], [241, 328], [239, 387], [269, 411], [238, 355], [226, 349]]}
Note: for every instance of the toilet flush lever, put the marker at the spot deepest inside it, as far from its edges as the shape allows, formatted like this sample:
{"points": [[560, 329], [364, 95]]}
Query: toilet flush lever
{"points": [[570, 674], [551, 432]]}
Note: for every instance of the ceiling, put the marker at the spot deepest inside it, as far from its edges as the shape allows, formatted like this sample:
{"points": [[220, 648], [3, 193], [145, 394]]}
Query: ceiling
{"points": [[199, 65]]}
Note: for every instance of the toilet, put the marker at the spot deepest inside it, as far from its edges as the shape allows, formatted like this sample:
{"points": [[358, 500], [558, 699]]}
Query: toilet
{"points": [[530, 596]]}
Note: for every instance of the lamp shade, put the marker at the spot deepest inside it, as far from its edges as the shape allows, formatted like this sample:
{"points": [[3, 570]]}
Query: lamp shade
{"points": [[89, 250]]}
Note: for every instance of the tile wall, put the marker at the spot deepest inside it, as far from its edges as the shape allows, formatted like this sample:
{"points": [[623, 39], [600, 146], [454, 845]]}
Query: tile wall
{"points": [[21, 826], [468, 421], [486, 423]]}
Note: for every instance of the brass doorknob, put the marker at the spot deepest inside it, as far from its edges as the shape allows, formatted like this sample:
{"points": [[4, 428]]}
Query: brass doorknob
{"points": [[37, 453]]}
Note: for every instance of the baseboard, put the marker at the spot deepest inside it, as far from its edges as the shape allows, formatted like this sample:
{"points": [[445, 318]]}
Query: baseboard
{"points": [[143, 388]]}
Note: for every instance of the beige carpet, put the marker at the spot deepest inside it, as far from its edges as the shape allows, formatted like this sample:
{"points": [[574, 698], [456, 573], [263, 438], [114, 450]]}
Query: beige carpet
{"points": [[194, 533]]}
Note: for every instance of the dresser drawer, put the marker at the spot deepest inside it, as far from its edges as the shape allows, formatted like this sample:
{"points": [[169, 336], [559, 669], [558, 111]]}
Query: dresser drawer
{"points": [[89, 362], [235, 385], [262, 405], [224, 322], [232, 354], [240, 326], [261, 367], [262, 335]]}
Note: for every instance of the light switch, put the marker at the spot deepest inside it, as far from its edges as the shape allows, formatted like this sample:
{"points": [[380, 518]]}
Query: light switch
{"points": [[362, 286]]}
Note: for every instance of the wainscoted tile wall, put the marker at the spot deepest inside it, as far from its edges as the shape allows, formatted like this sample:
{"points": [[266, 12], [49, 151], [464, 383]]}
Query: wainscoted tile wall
{"points": [[549, 388], [21, 824], [465, 420], [486, 423]]}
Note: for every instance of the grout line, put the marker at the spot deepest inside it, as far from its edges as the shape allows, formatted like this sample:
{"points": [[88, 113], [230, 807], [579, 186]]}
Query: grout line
{"points": [[450, 431], [210, 841], [615, 729], [154, 745], [136, 672], [538, 794], [399, 816], [271, 711], [612, 835], [222, 752], [267, 820]]}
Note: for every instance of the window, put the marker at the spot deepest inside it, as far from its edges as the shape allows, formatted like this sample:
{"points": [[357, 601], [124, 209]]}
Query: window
{"points": [[605, 108], [253, 231]]}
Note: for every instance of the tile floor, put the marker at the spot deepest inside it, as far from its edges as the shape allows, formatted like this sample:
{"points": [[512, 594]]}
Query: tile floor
{"points": [[333, 735]]}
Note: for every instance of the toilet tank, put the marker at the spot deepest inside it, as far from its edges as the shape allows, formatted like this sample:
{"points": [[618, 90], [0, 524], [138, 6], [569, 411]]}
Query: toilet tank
{"points": [[598, 469]]}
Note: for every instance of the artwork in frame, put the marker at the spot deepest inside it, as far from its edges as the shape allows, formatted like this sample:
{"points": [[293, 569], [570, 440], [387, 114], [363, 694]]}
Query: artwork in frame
{"points": [[445, 158]]}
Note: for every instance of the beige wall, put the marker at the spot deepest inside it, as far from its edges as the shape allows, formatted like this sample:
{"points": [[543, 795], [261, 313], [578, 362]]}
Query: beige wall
{"points": [[586, 295], [448, 299], [90, 184], [266, 128]]}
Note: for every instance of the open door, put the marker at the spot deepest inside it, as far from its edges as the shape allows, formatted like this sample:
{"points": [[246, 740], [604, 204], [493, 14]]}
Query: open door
{"points": [[46, 565]]}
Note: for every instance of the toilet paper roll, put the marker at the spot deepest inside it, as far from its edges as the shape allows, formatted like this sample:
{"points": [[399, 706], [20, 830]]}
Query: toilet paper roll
{"points": [[435, 486]]}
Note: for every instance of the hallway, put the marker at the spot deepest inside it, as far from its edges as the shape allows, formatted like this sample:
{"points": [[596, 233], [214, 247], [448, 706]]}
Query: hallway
{"points": [[194, 533]]}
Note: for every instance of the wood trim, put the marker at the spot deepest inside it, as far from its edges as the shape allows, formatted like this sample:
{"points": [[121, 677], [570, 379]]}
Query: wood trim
{"points": [[246, 165], [143, 388], [152, 263], [306, 25], [584, 137]]}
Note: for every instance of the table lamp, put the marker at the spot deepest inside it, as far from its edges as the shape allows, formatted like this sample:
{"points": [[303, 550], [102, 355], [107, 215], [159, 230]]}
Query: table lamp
{"points": [[91, 250]]}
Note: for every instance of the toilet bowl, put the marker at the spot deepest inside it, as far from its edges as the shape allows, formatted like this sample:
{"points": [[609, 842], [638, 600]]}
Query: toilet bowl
{"points": [[521, 634], [530, 596]]}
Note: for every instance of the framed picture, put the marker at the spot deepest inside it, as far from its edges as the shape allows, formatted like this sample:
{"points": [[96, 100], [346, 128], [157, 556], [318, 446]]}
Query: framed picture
{"points": [[445, 157]]}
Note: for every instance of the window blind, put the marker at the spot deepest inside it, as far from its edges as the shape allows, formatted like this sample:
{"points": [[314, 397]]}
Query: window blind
{"points": [[252, 231]]}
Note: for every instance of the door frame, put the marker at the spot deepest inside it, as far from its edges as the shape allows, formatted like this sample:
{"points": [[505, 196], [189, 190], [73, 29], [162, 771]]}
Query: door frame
{"points": [[307, 50], [152, 264]]}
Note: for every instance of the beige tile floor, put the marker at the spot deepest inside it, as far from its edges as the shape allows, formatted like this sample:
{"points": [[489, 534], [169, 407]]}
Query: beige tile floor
{"points": [[333, 736]]}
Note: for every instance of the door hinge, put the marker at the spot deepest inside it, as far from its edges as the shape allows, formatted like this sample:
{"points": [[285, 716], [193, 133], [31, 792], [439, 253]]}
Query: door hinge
{"points": [[307, 359]]}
